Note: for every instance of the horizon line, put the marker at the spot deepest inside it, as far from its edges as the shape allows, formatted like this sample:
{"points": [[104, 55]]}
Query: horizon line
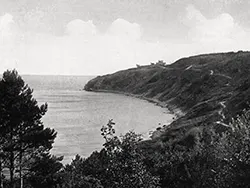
{"points": [[56, 75]]}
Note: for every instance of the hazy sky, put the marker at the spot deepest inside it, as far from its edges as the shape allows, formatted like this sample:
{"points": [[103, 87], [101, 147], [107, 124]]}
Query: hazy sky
{"points": [[90, 37]]}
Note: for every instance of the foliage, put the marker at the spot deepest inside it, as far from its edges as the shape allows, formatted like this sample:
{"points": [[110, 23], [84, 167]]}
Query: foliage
{"points": [[217, 160], [22, 132], [45, 171], [125, 162], [74, 177], [119, 164]]}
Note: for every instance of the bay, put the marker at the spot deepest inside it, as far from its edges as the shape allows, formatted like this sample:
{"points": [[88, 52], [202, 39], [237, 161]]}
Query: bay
{"points": [[78, 116]]}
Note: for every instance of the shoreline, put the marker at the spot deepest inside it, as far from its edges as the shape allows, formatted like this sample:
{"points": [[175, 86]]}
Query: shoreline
{"points": [[177, 112]]}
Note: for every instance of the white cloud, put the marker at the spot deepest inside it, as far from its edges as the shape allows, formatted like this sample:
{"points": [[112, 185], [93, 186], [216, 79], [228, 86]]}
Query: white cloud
{"points": [[124, 29], [5, 20], [83, 50], [6, 32], [221, 33], [7, 42], [193, 16]]}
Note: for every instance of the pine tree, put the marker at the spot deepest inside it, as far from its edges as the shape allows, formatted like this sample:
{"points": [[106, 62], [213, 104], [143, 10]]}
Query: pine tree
{"points": [[45, 171], [21, 129]]}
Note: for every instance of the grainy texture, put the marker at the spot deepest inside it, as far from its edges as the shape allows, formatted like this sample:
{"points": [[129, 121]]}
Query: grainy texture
{"points": [[209, 89]]}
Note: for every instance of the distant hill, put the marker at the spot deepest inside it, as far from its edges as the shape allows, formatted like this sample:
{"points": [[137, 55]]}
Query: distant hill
{"points": [[209, 89]]}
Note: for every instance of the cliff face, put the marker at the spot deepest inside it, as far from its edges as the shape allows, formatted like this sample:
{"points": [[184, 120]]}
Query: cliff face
{"points": [[211, 89]]}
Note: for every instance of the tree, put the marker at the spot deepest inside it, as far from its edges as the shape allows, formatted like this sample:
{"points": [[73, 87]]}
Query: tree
{"points": [[233, 150], [75, 176], [45, 171], [125, 166], [119, 164], [21, 129], [218, 159]]}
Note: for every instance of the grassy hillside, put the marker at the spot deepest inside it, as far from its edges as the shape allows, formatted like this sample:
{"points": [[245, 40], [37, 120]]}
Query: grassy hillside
{"points": [[210, 89]]}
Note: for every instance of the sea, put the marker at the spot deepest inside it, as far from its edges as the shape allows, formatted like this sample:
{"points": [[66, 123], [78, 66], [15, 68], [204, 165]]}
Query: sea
{"points": [[78, 115]]}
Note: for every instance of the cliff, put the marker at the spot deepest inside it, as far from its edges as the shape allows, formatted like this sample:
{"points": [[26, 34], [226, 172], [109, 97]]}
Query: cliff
{"points": [[209, 89]]}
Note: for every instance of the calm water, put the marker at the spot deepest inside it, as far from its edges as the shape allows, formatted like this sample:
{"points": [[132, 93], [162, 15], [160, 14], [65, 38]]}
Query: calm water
{"points": [[78, 115]]}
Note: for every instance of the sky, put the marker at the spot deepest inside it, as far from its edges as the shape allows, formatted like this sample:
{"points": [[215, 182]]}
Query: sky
{"points": [[95, 37]]}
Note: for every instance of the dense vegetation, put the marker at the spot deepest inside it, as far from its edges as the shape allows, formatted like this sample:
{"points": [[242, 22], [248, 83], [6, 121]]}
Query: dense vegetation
{"points": [[206, 147], [215, 160], [22, 134]]}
